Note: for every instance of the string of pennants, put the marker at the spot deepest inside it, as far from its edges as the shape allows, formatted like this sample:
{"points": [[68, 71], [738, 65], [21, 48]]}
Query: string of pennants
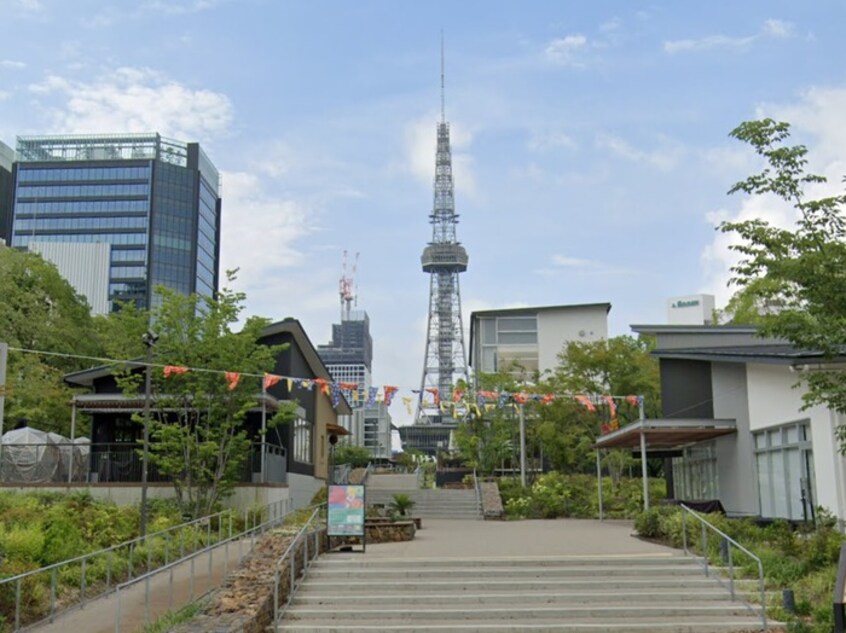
{"points": [[458, 401]]}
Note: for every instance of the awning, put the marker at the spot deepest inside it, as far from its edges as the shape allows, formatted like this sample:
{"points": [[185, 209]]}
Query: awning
{"points": [[336, 429], [666, 433]]}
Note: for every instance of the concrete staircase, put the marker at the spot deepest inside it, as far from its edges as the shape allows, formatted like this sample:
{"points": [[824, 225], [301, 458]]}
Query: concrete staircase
{"points": [[428, 503], [655, 593]]}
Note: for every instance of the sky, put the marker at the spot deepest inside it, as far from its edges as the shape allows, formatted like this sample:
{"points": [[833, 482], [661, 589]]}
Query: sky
{"points": [[591, 142]]}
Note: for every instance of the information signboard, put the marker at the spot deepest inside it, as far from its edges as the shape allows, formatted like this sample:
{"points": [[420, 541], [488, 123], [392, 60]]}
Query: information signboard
{"points": [[346, 511]]}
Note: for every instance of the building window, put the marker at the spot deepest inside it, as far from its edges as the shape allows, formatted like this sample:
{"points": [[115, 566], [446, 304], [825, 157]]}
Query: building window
{"points": [[695, 473], [785, 465], [302, 441]]}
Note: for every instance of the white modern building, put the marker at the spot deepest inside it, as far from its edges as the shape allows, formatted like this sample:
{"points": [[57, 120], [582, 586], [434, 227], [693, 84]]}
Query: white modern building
{"points": [[528, 340], [735, 427]]}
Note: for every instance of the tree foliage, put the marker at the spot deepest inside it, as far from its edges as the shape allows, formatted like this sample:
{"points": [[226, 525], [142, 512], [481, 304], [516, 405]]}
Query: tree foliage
{"points": [[41, 311], [197, 429], [355, 456], [797, 274], [617, 366]]}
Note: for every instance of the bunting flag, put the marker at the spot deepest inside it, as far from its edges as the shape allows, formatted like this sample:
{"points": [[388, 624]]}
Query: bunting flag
{"points": [[457, 395], [371, 396], [612, 406], [407, 400], [389, 393], [436, 395], [349, 386], [584, 400], [447, 408], [232, 377], [548, 398], [503, 398], [336, 394], [520, 398], [323, 384], [306, 384], [634, 400], [490, 407], [174, 370], [270, 380]]}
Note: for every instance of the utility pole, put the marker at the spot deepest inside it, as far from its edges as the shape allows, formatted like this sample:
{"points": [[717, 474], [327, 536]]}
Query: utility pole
{"points": [[149, 338], [522, 446]]}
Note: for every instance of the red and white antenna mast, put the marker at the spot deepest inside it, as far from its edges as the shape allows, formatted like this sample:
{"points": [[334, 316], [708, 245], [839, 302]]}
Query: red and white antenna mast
{"points": [[348, 296]]}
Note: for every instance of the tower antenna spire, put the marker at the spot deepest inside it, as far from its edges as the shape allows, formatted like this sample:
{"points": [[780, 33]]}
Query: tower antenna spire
{"points": [[443, 107]]}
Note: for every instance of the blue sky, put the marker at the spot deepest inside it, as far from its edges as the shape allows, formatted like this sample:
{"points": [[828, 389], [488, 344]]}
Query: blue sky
{"points": [[590, 139]]}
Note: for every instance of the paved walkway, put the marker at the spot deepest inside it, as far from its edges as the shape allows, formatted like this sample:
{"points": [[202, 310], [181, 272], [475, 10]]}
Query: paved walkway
{"points": [[167, 593], [445, 538], [439, 538]]}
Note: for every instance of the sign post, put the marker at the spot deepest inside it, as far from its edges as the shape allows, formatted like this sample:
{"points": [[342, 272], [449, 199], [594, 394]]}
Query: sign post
{"points": [[345, 515]]}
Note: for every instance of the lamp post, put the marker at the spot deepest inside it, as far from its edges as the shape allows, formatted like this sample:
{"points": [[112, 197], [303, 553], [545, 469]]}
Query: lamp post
{"points": [[149, 338]]}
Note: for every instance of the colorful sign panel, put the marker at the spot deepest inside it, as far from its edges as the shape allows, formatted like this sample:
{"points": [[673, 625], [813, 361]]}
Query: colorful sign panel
{"points": [[346, 511]]}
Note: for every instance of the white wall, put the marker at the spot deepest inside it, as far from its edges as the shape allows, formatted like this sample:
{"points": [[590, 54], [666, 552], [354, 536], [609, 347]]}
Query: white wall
{"points": [[774, 400], [558, 327]]}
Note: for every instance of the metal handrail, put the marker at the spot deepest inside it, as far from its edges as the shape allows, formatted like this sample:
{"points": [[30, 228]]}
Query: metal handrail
{"points": [[366, 473], [274, 518], [83, 559], [291, 552], [730, 541]]}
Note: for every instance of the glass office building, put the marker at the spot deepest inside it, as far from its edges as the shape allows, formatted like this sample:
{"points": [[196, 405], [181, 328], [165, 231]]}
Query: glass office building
{"points": [[154, 200]]}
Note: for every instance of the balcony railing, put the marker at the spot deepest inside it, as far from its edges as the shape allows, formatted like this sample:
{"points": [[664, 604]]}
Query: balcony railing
{"points": [[113, 463]]}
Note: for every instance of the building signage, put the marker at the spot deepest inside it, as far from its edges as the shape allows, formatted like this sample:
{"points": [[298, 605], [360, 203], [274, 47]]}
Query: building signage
{"points": [[345, 516], [692, 303]]}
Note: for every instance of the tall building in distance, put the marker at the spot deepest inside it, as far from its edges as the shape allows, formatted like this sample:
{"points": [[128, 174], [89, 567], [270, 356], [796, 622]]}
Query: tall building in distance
{"points": [[124, 212], [7, 158], [349, 359]]}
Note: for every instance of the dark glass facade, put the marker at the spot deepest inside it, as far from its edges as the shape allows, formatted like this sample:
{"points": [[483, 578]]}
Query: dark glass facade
{"points": [[154, 201]]}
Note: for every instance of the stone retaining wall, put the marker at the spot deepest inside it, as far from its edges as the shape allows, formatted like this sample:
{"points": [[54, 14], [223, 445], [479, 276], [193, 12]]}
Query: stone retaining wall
{"points": [[491, 500]]}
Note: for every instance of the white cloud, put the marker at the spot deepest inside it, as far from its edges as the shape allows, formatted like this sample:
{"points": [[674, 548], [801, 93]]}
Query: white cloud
{"points": [[551, 140], [421, 143], [564, 264], [260, 232], [110, 15], [565, 51], [136, 100], [664, 159], [777, 28], [612, 25], [33, 6], [817, 115], [771, 28], [11, 63]]}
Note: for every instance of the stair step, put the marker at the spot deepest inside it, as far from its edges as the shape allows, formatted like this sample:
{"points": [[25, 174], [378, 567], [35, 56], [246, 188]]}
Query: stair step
{"points": [[694, 625]]}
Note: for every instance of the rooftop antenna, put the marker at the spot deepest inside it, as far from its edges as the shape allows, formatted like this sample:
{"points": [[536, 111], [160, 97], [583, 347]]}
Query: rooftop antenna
{"points": [[346, 287], [443, 108]]}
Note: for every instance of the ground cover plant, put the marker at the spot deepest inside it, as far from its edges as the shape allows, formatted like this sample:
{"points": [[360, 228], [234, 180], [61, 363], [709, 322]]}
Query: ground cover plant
{"points": [[553, 495], [802, 558], [40, 529]]}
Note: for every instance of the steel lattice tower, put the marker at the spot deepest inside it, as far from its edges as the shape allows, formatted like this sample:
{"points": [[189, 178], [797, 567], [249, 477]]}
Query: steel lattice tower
{"points": [[443, 258]]}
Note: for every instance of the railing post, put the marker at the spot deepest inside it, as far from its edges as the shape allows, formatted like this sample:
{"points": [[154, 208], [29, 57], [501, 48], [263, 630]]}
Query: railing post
{"points": [[705, 548], [82, 583], [731, 569], [763, 595], [18, 605], [108, 570], [147, 599], [684, 529], [191, 579], [117, 609], [276, 601], [53, 574]]}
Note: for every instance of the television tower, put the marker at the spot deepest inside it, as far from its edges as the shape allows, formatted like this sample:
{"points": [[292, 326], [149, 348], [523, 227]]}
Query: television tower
{"points": [[443, 258]]}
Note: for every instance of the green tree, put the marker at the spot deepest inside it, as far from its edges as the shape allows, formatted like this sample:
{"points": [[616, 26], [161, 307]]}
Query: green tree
{"points": [[356, 456], [41, 311], [795, 274], [617, 366], [197, 432]]}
